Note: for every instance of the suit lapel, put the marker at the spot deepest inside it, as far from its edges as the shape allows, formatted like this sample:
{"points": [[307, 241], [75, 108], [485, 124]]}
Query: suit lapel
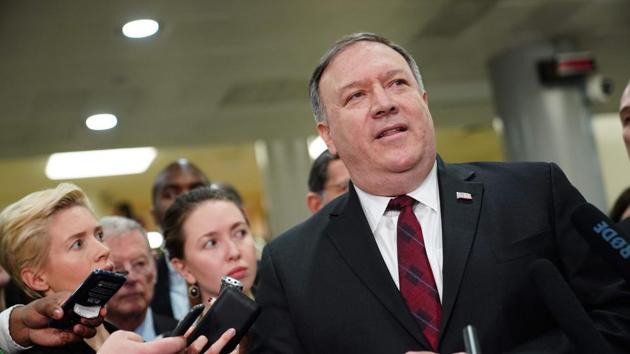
{"points": [[459, 225], [351, 235]]}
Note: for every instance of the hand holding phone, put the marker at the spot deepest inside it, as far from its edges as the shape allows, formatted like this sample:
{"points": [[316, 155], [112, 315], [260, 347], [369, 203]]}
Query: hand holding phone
{"points": [[87, 300], [187, 321], [232, 309]]}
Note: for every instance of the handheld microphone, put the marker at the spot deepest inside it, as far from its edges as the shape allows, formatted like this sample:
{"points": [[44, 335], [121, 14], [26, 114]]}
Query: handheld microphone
{"points": [[471, 343], [567, 309], [602, 234]]}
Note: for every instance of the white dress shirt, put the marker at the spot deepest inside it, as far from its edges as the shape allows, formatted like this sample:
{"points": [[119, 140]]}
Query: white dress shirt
{"points": [[7, 344], [146, 330], [178, 291], [427, 210]]}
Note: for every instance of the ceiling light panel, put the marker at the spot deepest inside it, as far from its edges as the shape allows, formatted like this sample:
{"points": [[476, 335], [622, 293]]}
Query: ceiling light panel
{"points": [[99, 163]]}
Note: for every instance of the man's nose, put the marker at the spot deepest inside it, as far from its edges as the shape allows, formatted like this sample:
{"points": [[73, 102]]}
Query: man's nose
{"points": [[382, 103]]}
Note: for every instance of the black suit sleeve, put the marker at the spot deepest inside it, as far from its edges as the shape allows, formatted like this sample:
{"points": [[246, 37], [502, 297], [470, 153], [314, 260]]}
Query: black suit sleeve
{"points": [[624, 226], [599, 287], [273, 331]]}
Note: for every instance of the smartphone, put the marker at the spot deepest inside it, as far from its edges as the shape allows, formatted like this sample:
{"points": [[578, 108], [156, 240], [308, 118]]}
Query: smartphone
{"points": [[232, 309], [87, 300], [187, 321], [195, 311]]}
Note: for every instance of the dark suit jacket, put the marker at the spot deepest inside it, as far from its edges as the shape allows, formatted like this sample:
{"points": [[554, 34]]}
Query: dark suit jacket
{"points": [[13, 295], [161, 303], [163, 324], [624, 226], [324, 287]]}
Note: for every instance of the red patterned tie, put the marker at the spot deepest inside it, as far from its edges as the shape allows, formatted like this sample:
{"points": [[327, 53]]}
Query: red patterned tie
{"points": [[417, 284]]}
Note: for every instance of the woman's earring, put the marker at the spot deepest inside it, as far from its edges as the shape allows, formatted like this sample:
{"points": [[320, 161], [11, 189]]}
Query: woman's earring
{"points": [[193, 291]]}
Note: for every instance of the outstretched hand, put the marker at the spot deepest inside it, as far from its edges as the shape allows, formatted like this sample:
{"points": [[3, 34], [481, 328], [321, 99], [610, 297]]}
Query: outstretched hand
{"points": [[29, 324], [216, 347], [131, 343]]}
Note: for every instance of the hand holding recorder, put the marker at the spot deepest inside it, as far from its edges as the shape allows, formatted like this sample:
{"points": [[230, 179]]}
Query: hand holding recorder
{"points": [[29, 324], [87, 301], [231, 311]]}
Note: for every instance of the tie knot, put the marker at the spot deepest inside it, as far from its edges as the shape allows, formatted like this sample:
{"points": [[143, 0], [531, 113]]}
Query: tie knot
{"points": [[401, 202]]}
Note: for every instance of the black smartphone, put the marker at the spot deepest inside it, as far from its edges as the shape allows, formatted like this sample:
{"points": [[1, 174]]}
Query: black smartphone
{"points": [[87, 300], [195, 311], [232, 309], [187, 321]]}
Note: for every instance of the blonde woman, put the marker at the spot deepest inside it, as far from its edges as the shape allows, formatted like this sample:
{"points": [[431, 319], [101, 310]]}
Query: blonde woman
{"points": [[50, 241]]}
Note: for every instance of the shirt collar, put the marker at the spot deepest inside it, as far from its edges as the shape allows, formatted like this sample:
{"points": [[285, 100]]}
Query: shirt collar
{"points": [[146, 330], [374, 205]]}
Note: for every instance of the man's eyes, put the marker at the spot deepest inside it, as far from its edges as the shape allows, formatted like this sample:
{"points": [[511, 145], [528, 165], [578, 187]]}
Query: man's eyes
{"points": [[399, 82], [354, 96]]}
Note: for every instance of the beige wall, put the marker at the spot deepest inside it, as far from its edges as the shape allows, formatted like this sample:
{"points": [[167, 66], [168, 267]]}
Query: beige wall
{"points": [[235, 164]]}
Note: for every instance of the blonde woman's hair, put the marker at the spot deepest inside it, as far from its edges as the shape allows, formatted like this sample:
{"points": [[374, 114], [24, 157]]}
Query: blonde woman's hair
{"points": [[24, 240]]}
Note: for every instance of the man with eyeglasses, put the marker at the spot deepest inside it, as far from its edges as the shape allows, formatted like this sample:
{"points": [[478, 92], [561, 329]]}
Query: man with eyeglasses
{"points": [[129, 308], [328, 179]]}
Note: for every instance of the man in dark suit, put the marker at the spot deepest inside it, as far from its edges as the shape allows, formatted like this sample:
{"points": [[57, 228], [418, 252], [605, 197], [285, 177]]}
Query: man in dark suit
{"points": [[328, 179], [378, 272], [176, 178], [130, 252]]}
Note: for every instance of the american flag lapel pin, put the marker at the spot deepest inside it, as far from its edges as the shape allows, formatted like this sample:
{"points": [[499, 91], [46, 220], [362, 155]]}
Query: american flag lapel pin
{"points": [[464, 196]]}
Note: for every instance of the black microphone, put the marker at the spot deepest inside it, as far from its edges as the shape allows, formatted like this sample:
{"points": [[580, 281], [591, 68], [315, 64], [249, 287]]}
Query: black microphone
{"points": [[471, 343], [602, 234], [567, 309]]}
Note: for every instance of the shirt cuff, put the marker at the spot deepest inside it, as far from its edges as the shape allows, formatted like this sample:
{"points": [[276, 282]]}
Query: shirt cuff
{"points": [[6, 341]]}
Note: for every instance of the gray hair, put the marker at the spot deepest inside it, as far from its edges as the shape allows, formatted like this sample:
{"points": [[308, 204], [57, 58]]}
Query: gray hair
{"points": [[115, 226], [338, 47]]}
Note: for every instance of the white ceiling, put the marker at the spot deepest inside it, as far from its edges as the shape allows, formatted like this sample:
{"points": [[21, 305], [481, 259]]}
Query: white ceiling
{"points": [[236, 71]]}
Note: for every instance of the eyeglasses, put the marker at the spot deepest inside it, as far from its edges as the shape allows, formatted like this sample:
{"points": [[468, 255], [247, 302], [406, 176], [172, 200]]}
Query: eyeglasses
{"points": [[140, 267]]}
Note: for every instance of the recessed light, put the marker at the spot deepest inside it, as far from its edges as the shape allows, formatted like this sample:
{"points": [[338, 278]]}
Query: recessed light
{"points": [[140, 28], [98, 163], [101, 121]]}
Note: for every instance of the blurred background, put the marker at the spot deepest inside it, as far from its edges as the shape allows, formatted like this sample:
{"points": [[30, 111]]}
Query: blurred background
{"points": [[224, 84]]}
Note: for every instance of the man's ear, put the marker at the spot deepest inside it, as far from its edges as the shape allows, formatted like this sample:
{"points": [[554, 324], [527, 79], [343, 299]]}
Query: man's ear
{"points": [[425, 97], [35, 279], [313, 201], [324, 133], [181, 268]]}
